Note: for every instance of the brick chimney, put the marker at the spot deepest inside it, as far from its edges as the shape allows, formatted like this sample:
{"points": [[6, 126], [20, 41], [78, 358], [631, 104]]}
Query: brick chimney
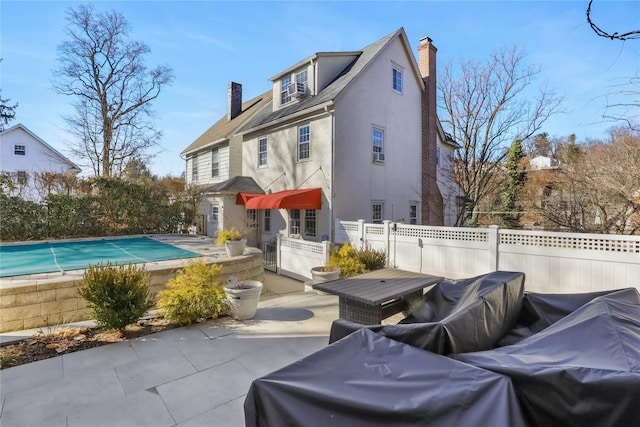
{"points": [[432, 204], [235, 100]]}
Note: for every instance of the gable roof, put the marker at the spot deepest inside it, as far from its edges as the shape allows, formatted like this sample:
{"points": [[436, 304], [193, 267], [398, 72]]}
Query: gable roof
{"points": [[333, 89], [63, 158], [223, 129]]}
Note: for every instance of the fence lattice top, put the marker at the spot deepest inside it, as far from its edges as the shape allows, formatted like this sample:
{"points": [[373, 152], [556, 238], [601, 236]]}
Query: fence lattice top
{"points": [[462, 234], [588, 242]]}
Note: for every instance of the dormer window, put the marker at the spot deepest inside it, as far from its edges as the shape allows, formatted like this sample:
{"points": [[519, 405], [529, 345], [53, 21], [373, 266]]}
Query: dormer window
{"points": [[284, 90], [293, 86], [302, 80]]}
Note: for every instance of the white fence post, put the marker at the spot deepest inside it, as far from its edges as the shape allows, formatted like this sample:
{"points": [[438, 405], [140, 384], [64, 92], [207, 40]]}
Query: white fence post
{"points": [[494, 242], [361, 233], [326, 248], [386, 236]]}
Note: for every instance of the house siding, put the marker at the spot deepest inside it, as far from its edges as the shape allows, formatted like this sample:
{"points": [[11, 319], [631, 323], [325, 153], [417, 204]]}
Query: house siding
{"points": [[358, 180], [284, 172], [203, 159]]}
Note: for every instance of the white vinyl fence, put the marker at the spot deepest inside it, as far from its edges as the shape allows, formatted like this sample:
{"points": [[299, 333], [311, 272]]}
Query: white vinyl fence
{"points": [[296, 257], [552, 262]]}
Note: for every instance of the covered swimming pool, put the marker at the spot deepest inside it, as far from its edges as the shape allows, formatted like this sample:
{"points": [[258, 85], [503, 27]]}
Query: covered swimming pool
{"points": [[48, 257]]}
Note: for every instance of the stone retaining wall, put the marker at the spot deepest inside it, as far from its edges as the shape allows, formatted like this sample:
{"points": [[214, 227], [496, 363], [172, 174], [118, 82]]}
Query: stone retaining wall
{"points": [[53, 301]]}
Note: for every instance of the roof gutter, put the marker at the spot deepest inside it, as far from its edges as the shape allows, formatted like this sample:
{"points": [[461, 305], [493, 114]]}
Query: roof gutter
{"points": [[210, 144]]}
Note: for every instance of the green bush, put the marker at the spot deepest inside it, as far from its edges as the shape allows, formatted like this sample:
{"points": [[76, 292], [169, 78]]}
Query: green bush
{"points": [[195, 294], [117, 295], [353, 261], [372, 259]]}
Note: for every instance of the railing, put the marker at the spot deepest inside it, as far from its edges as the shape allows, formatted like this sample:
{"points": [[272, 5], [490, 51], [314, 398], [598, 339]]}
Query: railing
{"points": [[270, 255]]}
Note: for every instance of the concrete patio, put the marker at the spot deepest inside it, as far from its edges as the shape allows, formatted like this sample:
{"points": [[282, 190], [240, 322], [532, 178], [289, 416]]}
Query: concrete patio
{"points": [[191, 376]]}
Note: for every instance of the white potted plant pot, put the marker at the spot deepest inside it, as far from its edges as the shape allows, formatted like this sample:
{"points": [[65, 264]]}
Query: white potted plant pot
{"points": [[243, 296], [235, 247], [324, 274]]}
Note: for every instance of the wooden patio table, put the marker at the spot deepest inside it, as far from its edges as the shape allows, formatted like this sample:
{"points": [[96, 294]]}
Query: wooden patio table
{"points": [[371, 297]]}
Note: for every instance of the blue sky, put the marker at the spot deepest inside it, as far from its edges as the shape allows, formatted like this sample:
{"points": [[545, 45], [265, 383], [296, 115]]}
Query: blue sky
{"points": [[209, 43]]}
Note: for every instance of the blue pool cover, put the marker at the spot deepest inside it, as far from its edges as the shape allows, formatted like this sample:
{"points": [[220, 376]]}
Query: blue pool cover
{"points": [[47, 257]]}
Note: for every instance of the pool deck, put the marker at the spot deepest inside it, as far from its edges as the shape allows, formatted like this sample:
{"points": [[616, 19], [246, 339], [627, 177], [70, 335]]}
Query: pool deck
{"points": [[191, 376]]}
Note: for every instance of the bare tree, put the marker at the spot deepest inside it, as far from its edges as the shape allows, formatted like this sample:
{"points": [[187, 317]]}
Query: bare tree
{"points": [[105, 71], [627, 93], [633, 34], [597, 190], [484, 108], [626, 108]]}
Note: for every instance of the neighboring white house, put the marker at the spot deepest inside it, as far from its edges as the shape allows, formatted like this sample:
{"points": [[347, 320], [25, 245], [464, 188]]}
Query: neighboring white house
{"points": [[349, 135], [23, 155], [544, 162]]}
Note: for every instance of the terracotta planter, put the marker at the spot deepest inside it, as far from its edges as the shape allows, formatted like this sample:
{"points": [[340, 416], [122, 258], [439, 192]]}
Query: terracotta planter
{"points": [[244, 297], [235, 247], [324, 274]]}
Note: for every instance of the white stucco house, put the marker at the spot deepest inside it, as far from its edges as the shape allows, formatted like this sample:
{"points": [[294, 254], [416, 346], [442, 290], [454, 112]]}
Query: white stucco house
{"points": [[351, 135], [24, 155]]}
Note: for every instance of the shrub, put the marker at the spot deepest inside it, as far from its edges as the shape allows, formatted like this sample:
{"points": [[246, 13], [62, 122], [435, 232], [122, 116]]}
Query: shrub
{"points": [[372, 259], [117, 295], [346, 259], [353, 262], [195, 294]]}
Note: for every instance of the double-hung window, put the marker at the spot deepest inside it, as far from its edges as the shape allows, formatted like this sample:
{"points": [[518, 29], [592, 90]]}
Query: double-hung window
{"points": [[267, 220], [302, 80], [22, 177], [252, 218], [377, 138], [215, 162], [377, 209], [310, 222], [194, 168], [413, 213], [19, 150], [262, 152], [294, 221], [304, 143], [397, 80], [284, 90]]}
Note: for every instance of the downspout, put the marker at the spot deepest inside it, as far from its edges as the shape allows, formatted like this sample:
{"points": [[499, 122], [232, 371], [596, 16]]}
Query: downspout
{"points": [[315, 78], [333, 167]]}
